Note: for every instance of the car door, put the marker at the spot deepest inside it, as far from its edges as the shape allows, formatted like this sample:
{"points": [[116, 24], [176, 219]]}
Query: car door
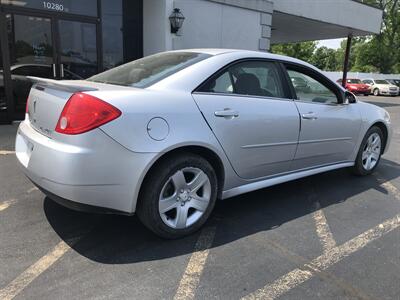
{"points": [[329, 129], [248, 108]]}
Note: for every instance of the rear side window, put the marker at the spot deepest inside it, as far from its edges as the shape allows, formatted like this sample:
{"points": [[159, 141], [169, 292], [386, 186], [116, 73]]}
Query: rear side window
{"points": [[149, 70], [253, 78]]}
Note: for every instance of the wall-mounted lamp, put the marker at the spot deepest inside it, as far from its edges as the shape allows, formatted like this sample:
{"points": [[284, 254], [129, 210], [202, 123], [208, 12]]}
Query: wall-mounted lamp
{"points": [[176, 19]]}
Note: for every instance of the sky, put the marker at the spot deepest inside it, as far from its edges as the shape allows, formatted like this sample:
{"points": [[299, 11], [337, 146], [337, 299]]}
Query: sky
{"points": [[334, 44]]}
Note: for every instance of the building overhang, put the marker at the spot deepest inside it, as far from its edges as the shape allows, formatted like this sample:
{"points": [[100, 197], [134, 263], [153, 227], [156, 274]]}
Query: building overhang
{"points": [[296, 21]]}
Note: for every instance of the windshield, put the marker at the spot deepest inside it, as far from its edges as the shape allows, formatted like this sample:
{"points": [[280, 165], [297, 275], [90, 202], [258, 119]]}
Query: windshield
{"points": [[395, 81], [149, 70], [353, 81], [381, 82]]}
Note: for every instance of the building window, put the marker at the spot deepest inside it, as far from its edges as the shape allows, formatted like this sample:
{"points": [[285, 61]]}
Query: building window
{"points": [[122, 31], [112, 33]]}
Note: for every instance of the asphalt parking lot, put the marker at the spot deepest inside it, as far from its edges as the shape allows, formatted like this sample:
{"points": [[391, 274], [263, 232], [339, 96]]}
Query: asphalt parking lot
{"points": [[330, 236]]}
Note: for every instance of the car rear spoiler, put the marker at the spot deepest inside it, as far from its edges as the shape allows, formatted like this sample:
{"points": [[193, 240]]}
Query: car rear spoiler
{"points": [[42, 83]]}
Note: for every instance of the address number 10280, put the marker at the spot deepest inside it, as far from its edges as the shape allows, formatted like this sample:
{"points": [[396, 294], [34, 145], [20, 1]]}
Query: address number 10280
{"points": [[53, 6]]}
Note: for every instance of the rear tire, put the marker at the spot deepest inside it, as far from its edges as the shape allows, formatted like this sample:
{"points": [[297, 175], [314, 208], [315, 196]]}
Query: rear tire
{"points": [[370, 152], [366, 95], [178, 196]]}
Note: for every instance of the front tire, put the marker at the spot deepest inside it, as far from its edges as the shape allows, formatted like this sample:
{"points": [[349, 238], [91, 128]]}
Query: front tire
{"points": [[376, 92], [178, 196], [370, 152]]}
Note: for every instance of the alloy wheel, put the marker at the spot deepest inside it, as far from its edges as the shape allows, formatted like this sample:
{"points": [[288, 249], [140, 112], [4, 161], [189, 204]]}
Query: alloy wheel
{"points": [[371, 152], [184, 197]]}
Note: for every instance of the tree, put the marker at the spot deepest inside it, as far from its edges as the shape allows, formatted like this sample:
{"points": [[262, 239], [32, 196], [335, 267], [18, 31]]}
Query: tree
{"points": [[303, 51], [324, 58], [379, 53]]}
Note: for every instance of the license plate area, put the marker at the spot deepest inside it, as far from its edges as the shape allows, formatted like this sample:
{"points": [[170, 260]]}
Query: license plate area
{"points": [[23, 149]]}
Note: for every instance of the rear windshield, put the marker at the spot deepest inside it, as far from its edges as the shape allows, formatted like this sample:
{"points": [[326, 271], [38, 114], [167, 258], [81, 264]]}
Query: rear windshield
{"points": [[353, 81], [381, 82], [149, 70]]}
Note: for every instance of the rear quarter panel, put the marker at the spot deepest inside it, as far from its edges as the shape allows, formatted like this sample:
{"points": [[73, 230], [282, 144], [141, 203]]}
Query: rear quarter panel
{"points": [[187, 126]]}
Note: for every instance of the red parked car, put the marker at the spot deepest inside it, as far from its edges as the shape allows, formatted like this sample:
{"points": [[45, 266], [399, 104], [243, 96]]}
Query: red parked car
{"points": [[356, 86]]}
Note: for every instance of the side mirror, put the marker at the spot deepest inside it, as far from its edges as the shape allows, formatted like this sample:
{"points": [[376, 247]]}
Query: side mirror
{"points": [[349, 98]]}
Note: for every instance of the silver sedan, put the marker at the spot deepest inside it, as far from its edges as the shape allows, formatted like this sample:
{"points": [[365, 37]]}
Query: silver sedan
{"points": [[166, 135]]}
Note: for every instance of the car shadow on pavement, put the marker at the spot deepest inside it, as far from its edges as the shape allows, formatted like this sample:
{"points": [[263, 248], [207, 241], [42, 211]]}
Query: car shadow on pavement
{"points": [[113, 239]]}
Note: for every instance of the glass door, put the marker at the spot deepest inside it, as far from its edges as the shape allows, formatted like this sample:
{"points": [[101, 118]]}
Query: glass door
{"points": [[31, 51], [42, 44], [78, 55]]}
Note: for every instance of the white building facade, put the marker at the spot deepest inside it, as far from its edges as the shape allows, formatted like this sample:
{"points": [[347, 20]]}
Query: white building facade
{"points": [[254, 24], [75, 39]]}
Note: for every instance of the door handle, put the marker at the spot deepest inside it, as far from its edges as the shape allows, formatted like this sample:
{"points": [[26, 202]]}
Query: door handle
{"points": [[62, 70], [309, 116], [54, 70], [227, 113]]}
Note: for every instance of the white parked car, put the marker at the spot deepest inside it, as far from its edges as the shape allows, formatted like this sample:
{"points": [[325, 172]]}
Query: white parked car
{"points": [[381, 87]]}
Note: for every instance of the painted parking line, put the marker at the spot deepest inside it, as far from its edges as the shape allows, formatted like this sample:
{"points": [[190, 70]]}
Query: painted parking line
{"points": [[321, 225], [350, 290], [30, 274], [322, 228], [6, 152], [389, 187], [32, 190], [6, 204], [321, 263], [191, 276]]}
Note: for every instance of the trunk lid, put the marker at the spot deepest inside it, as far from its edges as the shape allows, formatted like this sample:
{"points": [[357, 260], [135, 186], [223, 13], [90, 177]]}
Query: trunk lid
{"points": [[48, 97], [46, 102]]}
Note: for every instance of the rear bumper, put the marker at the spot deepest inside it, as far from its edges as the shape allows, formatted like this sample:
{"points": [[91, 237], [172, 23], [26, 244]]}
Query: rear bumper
{"points": [[79, 206], [90, 169]]}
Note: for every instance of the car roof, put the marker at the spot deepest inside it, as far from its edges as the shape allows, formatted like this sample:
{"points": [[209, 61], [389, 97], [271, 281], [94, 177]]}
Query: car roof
{"points": [[219, 51], [246, 54]]}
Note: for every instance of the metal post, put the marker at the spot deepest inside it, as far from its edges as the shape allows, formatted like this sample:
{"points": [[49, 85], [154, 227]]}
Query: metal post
{"points": [[346, 59]]}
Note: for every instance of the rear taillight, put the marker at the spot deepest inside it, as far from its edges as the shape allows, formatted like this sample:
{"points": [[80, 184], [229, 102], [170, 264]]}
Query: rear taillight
{"points": [[84, 112]]}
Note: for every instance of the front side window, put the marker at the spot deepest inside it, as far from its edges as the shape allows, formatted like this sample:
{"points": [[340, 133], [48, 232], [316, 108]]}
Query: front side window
{"points": [[149, 70], [253, 78], [311, 90]]}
